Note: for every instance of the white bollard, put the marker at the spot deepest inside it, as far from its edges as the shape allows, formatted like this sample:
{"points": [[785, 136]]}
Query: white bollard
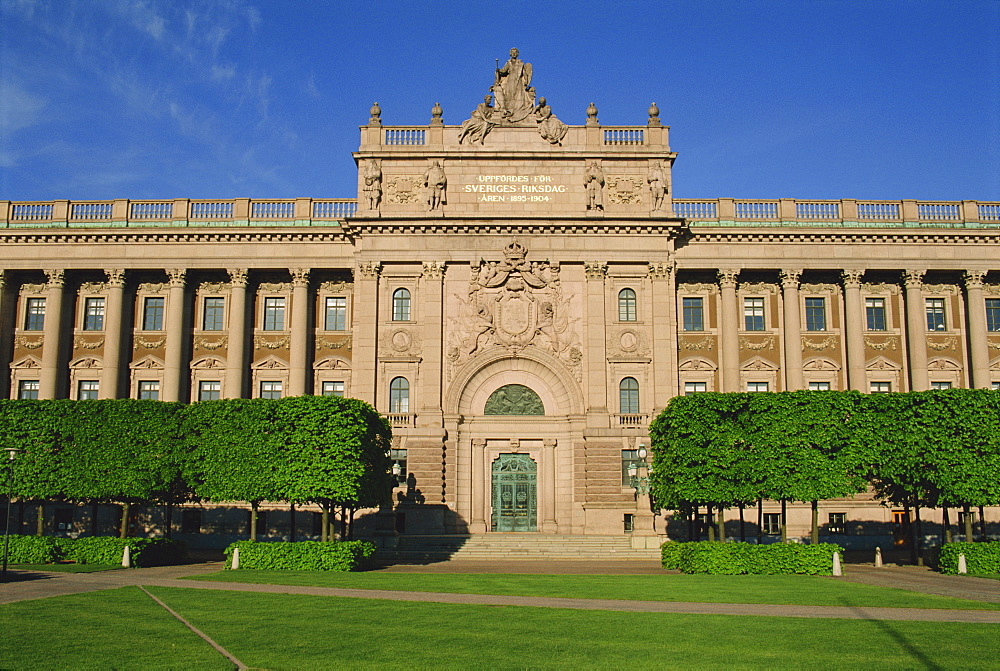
{"points": [[836, 565], [878, 557], [962, 566], [236, 559], [126, 558]]}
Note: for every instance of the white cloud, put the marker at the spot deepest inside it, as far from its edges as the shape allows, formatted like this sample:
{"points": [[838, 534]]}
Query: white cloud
{"points": [[18, 108]]}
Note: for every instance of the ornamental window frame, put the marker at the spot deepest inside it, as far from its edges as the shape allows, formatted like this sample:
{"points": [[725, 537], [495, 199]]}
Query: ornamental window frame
{"points": [[401, 304], [755, 308], [628, 305], [217, 312], [93, 313], [815, 311], [34, 314]]}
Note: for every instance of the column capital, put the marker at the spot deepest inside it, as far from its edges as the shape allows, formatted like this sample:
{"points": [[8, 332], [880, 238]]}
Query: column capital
{"points": [[478, 443], [238, 276], [116, 277], [433, 270], [974, 279], [3, 280], [852, 277], [56, 278], [728, 277], [300, 277], [595, 270], [661, 271], [176, 277], [549, 443], [790, 278], [368, 270], [914, 279]]}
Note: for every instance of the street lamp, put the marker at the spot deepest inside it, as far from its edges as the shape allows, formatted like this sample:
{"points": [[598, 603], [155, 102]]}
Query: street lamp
{"points": [[11, 454], [638, 472]]}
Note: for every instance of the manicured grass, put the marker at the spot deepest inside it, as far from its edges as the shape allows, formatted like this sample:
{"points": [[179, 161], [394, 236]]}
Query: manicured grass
{"points": [[278, 631], [111, 629], [772, 589], [67, 568]]}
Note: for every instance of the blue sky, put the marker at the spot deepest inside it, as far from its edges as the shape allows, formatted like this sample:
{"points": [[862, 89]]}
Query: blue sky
{"points": [[878, 99]]}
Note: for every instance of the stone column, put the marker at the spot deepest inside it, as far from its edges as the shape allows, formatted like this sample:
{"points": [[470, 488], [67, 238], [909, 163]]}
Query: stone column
{"points": [[111, 374], [5, 352], [432, 345], [730, 330], [664, 333], [597, 361], [48, 385], [793, 328], [854, 330], [174, 323], [979, 352], [549, 524], [365, 328], [478, 523], [916, 329], [236, 348], [298, 357]]}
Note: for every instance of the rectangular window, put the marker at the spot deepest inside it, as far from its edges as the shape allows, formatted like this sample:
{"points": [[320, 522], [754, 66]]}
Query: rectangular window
{"points": [[209, 390], [940, 385], [34, 314], [336, 314], [772, 524], [694, 314], [191, 521], [756, 386], [875, 313], [93, 317], [630, 459], [64, 519], [333, 389], [398, 458], [837, 523], [152, 313], [87, 390], [27, 389], [935, 314], [270, 390], [995, 386], [274, 313], [695, 387], [214, 316], [815, 314], [993, 314], [880, 387], [753, 314], [149, 390], [819, 386]]}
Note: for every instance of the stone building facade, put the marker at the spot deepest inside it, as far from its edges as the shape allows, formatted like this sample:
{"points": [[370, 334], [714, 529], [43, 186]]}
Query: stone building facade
{"points": [[519, 296]]}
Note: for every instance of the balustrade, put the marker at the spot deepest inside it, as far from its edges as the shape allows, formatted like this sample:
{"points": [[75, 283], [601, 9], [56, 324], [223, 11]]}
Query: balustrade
{"points": [[90, 211], [878, 211], [623, 136], [211, 209], [696, 209], [31, 212], [989, 212], [939, 212], [405, 136], [272, 209], [814, 210], [334, 209], [756, 209], [151, 211], [402, 419]]}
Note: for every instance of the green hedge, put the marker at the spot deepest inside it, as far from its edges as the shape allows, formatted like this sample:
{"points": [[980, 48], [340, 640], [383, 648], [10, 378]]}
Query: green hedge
{"points": [[301, 556], [94, 550], [34, 549], [740, 558], [979, 557]]}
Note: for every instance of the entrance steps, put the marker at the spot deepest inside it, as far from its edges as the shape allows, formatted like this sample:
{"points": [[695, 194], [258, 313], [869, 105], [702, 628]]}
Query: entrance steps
{"points": [[506, 546]]}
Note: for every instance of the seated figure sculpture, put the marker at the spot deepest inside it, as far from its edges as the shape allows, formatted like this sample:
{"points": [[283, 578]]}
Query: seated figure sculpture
{"points": [[549, 127], [479, 125]]}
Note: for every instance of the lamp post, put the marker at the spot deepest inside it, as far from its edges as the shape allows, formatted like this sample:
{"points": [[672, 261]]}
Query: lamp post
{"points": [[638, 472], [11, 454]]}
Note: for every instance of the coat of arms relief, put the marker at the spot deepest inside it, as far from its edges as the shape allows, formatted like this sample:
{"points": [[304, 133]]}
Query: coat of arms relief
{"points": [[515, 303]]}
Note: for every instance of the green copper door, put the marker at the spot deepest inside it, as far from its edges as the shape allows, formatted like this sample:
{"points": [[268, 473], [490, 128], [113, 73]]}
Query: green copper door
{"points": [[515, 493]]}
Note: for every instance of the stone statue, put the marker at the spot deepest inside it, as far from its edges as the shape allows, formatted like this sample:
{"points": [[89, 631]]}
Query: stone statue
{"points": [[475, 128], [593, 179], [436, 185], [373, 184], [515, 98], [549, 127], [657, 185]]}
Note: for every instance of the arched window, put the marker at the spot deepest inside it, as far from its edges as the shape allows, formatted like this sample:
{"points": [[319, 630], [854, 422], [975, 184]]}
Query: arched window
{"points": [[401, 305], [628, 393], [399, 395], [626, 305]]}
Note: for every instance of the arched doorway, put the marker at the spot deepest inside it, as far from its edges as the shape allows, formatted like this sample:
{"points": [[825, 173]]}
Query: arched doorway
{"points": [[515, 493]]}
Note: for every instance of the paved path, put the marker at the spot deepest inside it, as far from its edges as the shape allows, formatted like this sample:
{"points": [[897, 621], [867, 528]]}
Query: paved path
{"points": [[923, 579], [56, 584]]}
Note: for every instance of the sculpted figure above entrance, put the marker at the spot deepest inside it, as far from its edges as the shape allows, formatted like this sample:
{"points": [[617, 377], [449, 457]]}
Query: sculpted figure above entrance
{"points": [[515, 97]]}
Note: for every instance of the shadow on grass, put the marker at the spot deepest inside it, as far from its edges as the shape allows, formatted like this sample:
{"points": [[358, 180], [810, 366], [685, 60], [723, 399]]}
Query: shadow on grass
{"points": [[914, 653]]}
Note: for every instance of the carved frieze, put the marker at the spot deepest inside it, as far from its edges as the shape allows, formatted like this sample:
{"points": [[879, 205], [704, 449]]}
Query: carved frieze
{"points": [[880, 288], [881, 346], [759, 288], [943, 344], [626, 190], [22, 341], [992, 289], [399, 342], [707, 343], [700, 288], [819, 345], [93, 287], [85, 363], [757, 345], [403, 190], [626, 342], [33, 288], [331, 343], [84, 343], [262, 342], [152, 287], [337, 287], [272, 287], [949, 289], [211, 345], [819, 288], [213, 287], [993, 344], [143, 343]]}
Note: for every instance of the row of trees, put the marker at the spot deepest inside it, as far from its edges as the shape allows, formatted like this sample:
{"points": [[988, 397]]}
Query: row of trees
{"points": [[936, 449], [330, 451]]}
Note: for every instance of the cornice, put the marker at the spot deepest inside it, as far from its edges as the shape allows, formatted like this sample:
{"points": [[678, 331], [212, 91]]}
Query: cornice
{"points": [[858, 237], [193, 236]]}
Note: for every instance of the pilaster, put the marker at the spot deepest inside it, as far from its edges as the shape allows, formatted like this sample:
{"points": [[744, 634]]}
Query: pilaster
{"points": [[597, 361], [979, 352], [432, 336], [365, 327], [236, 349], [664, 333], [916, 329], [730, 325], [111, 373], [298, 357], [854, 330], [48, 386], [793, 328], [174, 323]]}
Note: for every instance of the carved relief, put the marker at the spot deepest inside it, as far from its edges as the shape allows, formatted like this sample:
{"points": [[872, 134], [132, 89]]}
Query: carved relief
{"points": [[880, 288], [697, 365], [213, 287], [765, 344], [327, 343], [208, 363], [149, 344], [32, 288], [887, 344], [626, 190], [993, 344], [83, 343], [93, 287], [22, 341], [273, 287], [627, 342], [261, 342], [515, 303], [950, 289], [759, 288], [992, 289], [403, 190], [819, 345], [941, 345], [706, 343], [85, 363], [337, 287], [701, 288], [819, 288], [399, 342], [152, 287], [211, 345], [820, 365]]}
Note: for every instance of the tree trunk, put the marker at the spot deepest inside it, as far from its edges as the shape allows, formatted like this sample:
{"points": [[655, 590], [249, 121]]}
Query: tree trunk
{"points": [[968, 524], [168, 527], [722, 523], [40, 520], [919, 531], [982, 524], [325, 524], [253, 520], [814, 534], [743, 526], [350, 524], [946, 523], [784, 521], [690, 522], [123, 528], [913, 535], [94, 511], [760, 521], [711, 527], [291, 522]]}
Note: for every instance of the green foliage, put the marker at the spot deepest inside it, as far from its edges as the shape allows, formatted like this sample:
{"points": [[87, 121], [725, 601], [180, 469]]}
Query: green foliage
{"points": [[979, 557], [743, 558], [142, 551], [33, 549], [301, 556]]}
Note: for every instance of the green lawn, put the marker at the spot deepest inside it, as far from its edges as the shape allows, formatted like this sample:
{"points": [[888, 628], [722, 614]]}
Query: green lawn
{"points": [[125, 629], [773, 589], [67, 568]]}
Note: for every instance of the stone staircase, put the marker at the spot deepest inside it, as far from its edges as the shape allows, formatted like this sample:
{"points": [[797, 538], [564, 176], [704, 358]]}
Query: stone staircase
{"points": [[515, 546]]}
